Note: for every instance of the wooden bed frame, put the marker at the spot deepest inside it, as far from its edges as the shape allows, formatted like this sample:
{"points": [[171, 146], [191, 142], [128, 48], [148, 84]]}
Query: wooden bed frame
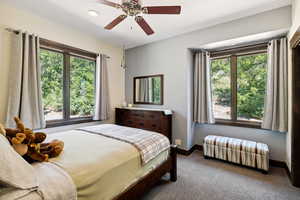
{"points": [[154, 121], [135, 191]]}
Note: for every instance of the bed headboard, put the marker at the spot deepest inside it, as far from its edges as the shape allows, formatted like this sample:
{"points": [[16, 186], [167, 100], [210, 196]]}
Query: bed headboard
{"points": [[152, 120]]}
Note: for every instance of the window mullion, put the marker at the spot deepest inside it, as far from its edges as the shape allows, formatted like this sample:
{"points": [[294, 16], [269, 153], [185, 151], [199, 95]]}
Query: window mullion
{"points": [[66, 87], [233, 63]]}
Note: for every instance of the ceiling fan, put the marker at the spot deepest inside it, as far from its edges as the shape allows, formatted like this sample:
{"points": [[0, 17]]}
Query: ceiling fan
{"points": [[134, 8]]}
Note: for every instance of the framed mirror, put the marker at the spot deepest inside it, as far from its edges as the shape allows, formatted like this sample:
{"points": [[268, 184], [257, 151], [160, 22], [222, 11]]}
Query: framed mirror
{"points": [[148, 89]]}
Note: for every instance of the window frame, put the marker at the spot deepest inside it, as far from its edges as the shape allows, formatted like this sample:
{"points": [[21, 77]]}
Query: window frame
{"points": [[67, 52], [233, 54]]}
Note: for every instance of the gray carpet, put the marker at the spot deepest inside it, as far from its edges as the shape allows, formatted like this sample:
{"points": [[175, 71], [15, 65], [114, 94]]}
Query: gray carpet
{"points": [[200, 179]]}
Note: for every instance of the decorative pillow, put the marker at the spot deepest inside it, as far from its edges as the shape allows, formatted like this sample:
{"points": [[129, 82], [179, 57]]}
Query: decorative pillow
{"points": [[14, 170]]}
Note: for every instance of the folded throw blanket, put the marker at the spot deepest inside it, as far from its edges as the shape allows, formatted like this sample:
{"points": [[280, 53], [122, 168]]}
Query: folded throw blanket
{"points": [[148, 143]]}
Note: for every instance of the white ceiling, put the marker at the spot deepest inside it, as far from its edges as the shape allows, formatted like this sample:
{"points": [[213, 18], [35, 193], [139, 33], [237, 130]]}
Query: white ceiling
{"points": [[196, 14]]}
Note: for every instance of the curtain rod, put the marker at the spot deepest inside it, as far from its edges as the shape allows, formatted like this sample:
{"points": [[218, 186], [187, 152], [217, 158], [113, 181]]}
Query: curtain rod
{"points": [[229, 49], [247, 44], [12, 30], [17, 32]]}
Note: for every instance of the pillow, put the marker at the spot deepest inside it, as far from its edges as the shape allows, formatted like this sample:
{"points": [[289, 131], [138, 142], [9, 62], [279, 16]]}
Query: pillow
{"points": [[14, 170]]}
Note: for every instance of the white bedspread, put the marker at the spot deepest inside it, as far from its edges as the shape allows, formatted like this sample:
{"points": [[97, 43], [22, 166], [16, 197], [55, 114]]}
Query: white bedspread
{"points": [[148, 143], [101, 167], [54, 184]]}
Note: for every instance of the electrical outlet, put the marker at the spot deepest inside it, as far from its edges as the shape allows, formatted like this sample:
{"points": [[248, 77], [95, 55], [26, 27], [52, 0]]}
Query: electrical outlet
{"points": [[178, 142]]}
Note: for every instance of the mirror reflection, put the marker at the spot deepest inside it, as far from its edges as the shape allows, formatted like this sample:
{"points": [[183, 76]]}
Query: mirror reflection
{"points": [[148, 90]]}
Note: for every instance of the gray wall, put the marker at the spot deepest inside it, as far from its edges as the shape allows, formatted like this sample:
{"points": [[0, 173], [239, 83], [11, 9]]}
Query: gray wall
{"points": [[173, 58]]}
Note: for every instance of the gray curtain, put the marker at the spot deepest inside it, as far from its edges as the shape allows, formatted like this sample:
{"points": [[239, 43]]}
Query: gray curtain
{"points": [[150, 90], [102, 105], [202, 89], [145, 90], [25, 96], [276, 101]]}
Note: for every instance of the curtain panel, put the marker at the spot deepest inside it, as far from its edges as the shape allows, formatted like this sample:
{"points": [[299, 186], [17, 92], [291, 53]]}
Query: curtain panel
{"points": [[143, 90], [203, 112], [25, 94], [102, 104], [276, 100]]}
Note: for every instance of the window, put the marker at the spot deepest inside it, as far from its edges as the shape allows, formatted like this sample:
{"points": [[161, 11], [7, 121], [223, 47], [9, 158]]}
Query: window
{"points": [[68, 86], [221, 88], [239, 86], [82, 94], [251, 84], [52, 64]]}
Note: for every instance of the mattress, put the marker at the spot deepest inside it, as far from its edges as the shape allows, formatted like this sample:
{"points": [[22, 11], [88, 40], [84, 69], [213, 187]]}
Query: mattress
{"points": [[101, 167]]}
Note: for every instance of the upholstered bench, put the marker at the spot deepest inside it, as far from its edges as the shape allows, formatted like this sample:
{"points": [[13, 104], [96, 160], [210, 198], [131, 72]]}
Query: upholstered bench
{"points": [[243, 152]]}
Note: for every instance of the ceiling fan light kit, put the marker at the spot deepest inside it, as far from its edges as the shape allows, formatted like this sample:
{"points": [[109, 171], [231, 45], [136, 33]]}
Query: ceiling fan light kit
{"points": [[93, 13], [133, 8]]}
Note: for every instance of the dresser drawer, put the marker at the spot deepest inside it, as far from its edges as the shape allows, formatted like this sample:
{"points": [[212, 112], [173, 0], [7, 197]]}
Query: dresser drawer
{"points": [[152, 116], [155, 121]]}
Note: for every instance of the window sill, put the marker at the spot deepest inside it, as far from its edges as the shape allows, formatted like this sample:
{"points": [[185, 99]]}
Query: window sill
{"points": [[244, 124], [57, 123]]}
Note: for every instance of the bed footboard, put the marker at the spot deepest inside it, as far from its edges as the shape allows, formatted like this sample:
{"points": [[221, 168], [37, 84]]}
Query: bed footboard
{"points": [[169, 166], [173, 171]]}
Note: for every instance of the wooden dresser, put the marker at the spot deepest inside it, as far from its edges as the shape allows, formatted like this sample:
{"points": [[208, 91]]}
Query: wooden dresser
{"points": [[148, 119]]}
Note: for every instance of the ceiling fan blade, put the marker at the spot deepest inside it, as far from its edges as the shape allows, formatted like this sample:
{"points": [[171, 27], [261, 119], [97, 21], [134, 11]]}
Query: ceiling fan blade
{"points": [[109, 3], [115, 22], [162, 10], [144, 25]]}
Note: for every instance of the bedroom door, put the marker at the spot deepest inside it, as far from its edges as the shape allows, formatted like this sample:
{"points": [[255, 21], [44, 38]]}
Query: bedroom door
{"points": [[295, 137]]}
